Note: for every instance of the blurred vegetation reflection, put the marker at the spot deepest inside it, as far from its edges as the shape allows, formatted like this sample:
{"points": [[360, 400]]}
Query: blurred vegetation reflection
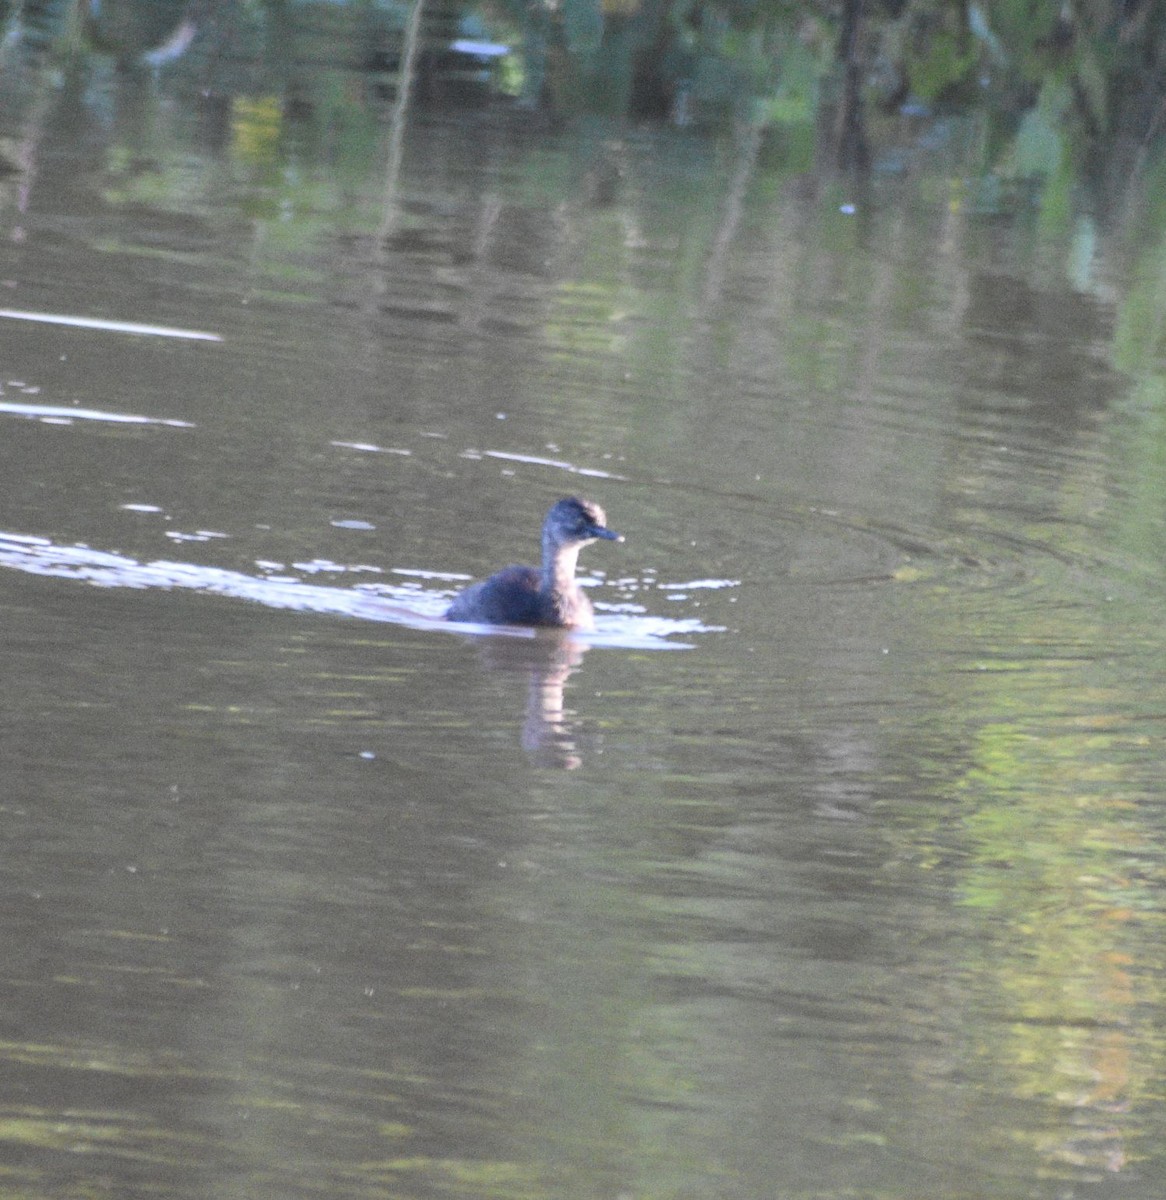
{"points": [[1065, 96]]}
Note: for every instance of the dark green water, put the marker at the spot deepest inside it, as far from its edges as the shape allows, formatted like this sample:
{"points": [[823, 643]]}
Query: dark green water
{"points": [[860, 895]]}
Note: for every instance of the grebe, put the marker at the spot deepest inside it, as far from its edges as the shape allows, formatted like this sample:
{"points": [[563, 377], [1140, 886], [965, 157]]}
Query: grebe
{"points": [[519, 595]]}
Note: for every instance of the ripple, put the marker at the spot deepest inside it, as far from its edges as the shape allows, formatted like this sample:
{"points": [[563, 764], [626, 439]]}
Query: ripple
{"points": [[372, 448], [62, 414], [557, 464], [408, 604], [1004, 549], [98, 323]]}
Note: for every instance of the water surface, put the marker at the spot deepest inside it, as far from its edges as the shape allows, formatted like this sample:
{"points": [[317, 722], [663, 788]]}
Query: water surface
{"points": [[860, 893]]}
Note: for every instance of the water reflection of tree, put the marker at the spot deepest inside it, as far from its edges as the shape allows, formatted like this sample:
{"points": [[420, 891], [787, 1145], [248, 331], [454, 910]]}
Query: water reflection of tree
{"points": [[1067, 94], [1057, 852]]}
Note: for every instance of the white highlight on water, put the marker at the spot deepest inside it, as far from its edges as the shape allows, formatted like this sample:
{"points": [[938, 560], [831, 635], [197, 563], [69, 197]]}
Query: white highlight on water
{"points": [[133, 327], [60, 413]]}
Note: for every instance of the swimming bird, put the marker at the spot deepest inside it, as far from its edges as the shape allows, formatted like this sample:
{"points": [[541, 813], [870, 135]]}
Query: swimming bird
{"points": [[519, 595]]}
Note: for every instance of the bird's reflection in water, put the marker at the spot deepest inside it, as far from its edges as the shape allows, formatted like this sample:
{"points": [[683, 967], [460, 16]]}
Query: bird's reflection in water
{"points": [[549, 730]]}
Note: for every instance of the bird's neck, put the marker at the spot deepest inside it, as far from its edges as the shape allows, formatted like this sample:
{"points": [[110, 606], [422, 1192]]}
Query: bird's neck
{"points": [[559, 565]]}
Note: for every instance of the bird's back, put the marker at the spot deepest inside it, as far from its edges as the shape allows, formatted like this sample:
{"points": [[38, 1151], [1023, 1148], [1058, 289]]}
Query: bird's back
{"points": [[514, 596], [508, 597]]}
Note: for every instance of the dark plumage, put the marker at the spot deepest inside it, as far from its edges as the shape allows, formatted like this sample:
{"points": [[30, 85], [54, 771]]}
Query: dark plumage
{"points": [[519, 595]]}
